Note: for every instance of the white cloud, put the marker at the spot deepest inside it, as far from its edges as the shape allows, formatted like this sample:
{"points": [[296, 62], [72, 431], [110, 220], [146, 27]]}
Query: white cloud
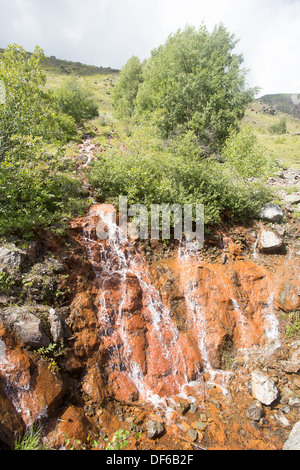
{"points": [[108, 32]]}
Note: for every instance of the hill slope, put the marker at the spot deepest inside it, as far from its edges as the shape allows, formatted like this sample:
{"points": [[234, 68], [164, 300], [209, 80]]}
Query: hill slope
{"points": [[285, 148], [284, 103], [66, 67]]}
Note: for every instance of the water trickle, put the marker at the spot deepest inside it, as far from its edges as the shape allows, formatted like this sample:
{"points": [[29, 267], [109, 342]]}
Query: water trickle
{"points": [[146, 351]]}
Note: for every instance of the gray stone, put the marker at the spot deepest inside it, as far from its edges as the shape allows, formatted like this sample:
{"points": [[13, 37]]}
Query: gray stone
{"points": [[56, 326], [263, 388], [154, 429], [271, 213], [11, 258], [269, 242], [26, 326], [193, 435], [294, 401], [292, 198], [293, 442], [282, 420], [255, 411]]}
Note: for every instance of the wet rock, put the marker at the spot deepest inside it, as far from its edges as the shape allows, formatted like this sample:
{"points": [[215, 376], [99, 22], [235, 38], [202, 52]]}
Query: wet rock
{"points": [[10, 423], [269, 242], [255, 411], [271, 213], [263, 388], [26, 326], [154, 429], [293, 442]]}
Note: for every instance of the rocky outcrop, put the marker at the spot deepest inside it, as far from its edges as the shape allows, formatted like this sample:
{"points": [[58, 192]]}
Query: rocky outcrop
{"points": [[119, 331]]}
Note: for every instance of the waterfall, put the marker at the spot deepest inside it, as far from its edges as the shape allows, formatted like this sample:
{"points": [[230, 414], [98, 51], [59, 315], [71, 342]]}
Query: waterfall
{"points": [[115, 261]]}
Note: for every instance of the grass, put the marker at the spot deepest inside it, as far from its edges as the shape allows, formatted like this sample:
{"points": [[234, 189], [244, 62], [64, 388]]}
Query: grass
{"points": [[31, 440], [285, 148]]}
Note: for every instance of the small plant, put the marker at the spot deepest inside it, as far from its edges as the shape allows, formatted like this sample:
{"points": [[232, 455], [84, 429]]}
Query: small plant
{"points": [[293, 329], [31, 439], [50, 354], [120, 439], [6, 282]]}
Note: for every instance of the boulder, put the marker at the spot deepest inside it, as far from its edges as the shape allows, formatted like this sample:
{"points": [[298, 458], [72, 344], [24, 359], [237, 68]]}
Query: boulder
{"points": [[26, 326], [293, 442], [12, 258], [271, 213], [263, 388], [269, 242]]}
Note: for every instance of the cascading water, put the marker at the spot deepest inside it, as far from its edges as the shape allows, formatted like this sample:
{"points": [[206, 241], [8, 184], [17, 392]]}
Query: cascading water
{"points": [[170, 362], [148, 357]]}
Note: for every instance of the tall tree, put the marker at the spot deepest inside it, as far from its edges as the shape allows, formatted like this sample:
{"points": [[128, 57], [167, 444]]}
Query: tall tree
{"points": [[195, 82], [125, 92]]}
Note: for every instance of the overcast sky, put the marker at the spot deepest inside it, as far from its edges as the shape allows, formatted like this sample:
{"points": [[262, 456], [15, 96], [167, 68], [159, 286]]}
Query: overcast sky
{"points": [[109, 32]]}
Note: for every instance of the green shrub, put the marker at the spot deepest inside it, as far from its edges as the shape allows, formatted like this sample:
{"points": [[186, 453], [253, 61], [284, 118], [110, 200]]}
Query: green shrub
{"points": [[75, 101], [161, 176], [37, 189], [244, 155], [280, 128]]}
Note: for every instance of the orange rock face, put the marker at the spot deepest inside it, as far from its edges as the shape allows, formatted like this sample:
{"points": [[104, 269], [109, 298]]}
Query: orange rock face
{"points": [[161, 328], [157, 335]]}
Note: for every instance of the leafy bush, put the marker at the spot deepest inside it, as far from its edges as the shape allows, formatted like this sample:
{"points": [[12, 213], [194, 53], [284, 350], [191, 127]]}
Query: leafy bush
{"points": [[244, 155], [75, 101], [37, 189], [160, 176], [125, 93], [280, 128], [28, 109]]}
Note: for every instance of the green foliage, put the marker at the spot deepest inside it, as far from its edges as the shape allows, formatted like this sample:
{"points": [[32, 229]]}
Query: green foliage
{"points": [[195, 82], [28, 109], [6, 282], [37, 188], [125, 93], [31, 440], [121, 437], [246, 156], [155, 176], [280, 128], [293, 328], [75, 101]]}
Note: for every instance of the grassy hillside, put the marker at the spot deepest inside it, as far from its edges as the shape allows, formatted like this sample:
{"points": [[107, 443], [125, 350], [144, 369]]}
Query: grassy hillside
{"points": [[65, 67], [284, 103], [101, 80], [286, 147]]}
